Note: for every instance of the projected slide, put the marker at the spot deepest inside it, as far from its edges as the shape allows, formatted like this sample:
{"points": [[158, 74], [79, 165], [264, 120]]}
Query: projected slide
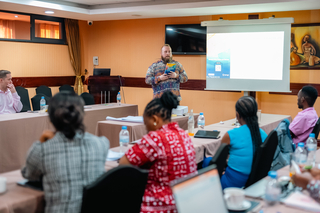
{"points": [[245, 55]]}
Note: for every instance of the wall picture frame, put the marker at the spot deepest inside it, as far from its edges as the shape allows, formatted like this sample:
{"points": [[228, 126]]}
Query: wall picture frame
{"points": [[305, 46]]}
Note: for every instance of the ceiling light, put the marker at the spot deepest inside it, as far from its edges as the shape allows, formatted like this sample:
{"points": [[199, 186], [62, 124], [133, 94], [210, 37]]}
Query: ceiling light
{"points": [[45, 5], [49, 12], [16, 16]]}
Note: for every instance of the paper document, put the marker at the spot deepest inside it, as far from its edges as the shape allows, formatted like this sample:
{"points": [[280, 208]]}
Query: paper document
{"points": [[302, 201], [113, 156], [136, 119]]}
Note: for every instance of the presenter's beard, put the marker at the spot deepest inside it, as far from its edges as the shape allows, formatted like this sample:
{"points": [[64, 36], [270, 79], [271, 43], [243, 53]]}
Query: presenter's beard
{"points": [[166, 60]]}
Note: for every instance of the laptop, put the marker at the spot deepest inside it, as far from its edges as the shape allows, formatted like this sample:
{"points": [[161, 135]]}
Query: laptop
{"points": [[207, 134], [102, 71], [199, 193]]}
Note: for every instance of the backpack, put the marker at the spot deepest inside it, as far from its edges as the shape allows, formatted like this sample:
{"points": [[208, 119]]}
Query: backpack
{"points": [[285, 146]]}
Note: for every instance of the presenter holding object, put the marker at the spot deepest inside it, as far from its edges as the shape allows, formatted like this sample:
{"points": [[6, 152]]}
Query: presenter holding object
{"points": [[166, 74]]}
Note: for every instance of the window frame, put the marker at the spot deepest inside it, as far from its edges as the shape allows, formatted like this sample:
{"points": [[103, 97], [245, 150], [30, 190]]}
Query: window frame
{"points": [[34, 39]]}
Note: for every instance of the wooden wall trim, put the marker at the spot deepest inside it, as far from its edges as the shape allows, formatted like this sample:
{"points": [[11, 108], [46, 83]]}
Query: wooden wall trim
{"points": [[295, 88], [50, 81], [191, 84]]}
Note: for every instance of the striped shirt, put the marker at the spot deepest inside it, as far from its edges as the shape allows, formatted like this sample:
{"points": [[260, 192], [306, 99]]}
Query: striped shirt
{"points": [[66, 167], [159, 87]]}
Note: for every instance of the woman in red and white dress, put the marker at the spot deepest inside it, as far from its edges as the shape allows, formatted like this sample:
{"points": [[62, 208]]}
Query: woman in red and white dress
{"points": [[167, 151]]}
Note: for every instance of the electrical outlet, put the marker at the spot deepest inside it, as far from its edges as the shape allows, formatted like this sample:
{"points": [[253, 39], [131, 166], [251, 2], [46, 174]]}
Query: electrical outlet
{"points": [[95, 60]]}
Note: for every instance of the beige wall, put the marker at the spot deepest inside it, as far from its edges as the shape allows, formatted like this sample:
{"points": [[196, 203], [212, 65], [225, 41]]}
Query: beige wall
{"points": [[129, 47], [26, 59]]}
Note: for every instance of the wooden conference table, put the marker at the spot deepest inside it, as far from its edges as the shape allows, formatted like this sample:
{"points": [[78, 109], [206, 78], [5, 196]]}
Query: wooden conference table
{"points": [[111, 129], [18, 199], [18, 131]]}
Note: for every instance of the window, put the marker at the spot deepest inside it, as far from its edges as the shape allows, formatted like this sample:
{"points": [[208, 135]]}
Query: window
{"points": [[14, 26], [31, 28]]}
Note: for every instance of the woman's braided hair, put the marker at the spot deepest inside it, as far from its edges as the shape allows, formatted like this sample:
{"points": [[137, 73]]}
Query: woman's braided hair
{"points": [[162, 106]]}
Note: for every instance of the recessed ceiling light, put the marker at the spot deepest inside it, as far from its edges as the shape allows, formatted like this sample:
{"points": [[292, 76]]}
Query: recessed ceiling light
{"points": [[16, 16], [49, 12]]}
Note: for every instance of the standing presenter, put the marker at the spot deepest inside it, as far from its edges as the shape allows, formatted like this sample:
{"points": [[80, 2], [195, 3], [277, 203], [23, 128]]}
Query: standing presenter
{"points": [[166, 74]]}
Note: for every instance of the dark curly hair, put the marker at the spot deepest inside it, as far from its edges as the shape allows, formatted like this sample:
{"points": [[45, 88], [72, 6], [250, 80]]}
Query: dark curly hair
{"points": [[310, 94], [66, 113], [162, 106]]}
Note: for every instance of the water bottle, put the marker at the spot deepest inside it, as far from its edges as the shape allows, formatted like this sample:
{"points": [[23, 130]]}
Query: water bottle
{"points": [[119, 98], [42, 104], [301, 154], [123, 138], [191, 123], [273, 189], [201, 121], [312, 148]]}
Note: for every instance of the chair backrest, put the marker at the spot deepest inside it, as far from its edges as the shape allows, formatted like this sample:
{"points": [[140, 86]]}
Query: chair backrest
{"points": [[220, 158], [66, 87], [316, 129], [36, 101], [88, 98], [263, 158], [24, 98], [119, 190], [44, 90]]}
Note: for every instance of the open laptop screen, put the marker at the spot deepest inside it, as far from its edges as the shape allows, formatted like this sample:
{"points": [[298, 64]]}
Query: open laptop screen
{"points": [[200, 193]]}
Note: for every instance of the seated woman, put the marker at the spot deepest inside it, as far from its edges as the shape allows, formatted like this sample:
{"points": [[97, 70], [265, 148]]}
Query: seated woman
{"points": [[167, 151], [244, 143], [68, 159]]}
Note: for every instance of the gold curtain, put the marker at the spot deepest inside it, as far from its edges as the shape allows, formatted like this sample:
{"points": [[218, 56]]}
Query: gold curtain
{"points": [[73, 39], [7, 29]]}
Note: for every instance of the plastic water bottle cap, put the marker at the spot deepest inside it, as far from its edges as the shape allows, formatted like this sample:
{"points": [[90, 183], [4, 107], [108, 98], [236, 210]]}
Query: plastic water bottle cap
{"points": [[201, 113], [312, 135], [301, 144], [272, 174], [124, 127], [118, 93], [42, 97]]}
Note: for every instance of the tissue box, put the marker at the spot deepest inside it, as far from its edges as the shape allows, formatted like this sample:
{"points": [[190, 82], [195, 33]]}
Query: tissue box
{"points": [[180, 110]]}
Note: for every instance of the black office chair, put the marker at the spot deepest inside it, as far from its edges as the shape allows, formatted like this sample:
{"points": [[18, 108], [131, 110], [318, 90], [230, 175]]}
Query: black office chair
{"points": [[220, 158], [119, 190], [88, 98], [263, 159], [44, 90], [66, 87], [36, 101], [24, 98], [316, 129]]}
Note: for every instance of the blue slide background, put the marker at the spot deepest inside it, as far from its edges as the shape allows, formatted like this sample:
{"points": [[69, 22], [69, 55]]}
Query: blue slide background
{"points": [[225, 65]]}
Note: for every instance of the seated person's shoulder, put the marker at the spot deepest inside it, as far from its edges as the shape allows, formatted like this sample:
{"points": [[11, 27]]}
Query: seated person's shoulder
{"points": [[263, 134]]}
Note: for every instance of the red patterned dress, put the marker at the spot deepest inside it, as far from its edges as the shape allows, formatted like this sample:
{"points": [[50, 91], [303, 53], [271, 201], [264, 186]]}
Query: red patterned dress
{"points": [[169, 154]]}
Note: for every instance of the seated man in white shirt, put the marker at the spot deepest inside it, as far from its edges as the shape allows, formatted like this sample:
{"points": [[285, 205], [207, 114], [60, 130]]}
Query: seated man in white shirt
{"points": [[9, 99]]}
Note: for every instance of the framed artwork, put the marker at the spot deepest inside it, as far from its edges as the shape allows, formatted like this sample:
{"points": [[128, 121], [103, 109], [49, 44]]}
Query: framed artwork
{"points": [[305, 46]]}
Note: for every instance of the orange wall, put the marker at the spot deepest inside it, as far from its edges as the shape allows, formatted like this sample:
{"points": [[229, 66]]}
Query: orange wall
{"points": [[129, 47]]}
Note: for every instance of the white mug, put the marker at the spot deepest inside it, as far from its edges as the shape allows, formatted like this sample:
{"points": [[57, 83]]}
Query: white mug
{"points": [[234, 197], [3, 184]]}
